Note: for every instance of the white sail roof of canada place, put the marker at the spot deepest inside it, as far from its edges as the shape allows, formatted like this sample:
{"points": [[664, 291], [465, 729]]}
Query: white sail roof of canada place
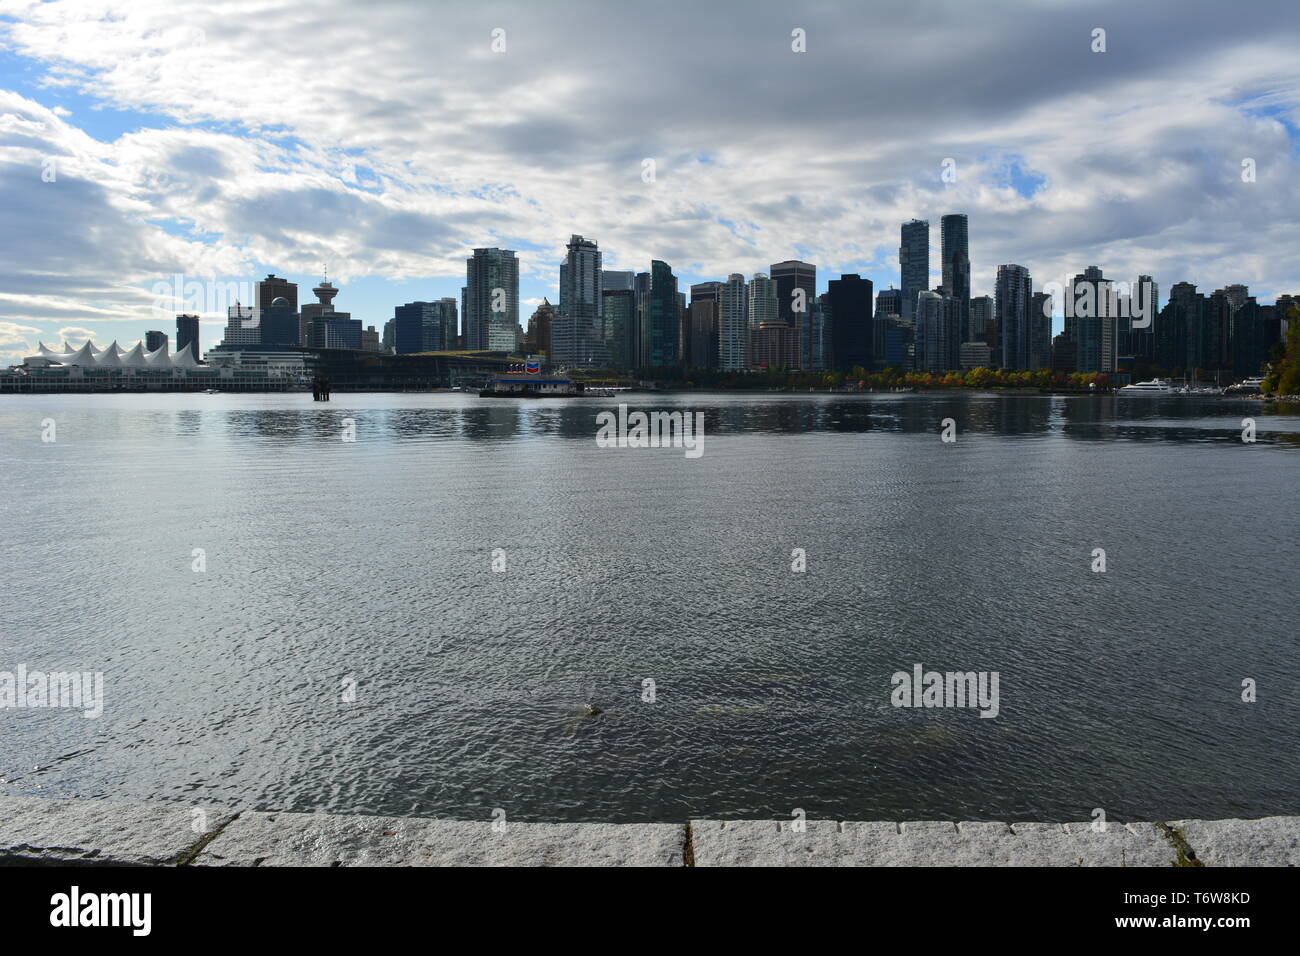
{"points": [[88, 356]]}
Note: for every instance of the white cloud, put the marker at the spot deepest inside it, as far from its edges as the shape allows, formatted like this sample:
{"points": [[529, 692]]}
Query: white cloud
{"points": [[327, 132]]}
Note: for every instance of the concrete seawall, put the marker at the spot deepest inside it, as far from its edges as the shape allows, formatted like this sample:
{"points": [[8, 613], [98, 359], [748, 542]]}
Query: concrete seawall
{"points": [[39, 831]]}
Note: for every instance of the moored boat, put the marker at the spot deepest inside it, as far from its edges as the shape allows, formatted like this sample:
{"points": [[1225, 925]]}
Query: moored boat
{"points": [[1157, 386]]}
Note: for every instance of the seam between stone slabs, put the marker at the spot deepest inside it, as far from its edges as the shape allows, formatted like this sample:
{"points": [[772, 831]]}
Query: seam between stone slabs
{"points": [[188, 856], [1186, 854]]}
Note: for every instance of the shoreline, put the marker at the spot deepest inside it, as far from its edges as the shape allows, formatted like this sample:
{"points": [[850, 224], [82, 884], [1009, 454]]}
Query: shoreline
{"points": [[40, 831]]}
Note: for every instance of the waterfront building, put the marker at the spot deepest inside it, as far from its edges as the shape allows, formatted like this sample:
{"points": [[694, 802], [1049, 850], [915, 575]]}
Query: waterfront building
{"points": [[1040, 331], [913, 264], [733, 324], [578, 333], [274, 287], [242, 326], [936, 315], [660, 321], [762, 301], [490, 300], [956, 275], [1065, 352], [278, 323], [850, 322], [325, 293], [772, 345], [790, 275], [537, 340], [702, 323], [334, 330], [1092, 325], [984, 325], [620, 325], [1013, 292], [187, 334], [975, 355]]}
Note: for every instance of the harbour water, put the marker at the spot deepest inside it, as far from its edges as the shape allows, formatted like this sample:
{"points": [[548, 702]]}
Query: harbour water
{"points": [[288, 620]]}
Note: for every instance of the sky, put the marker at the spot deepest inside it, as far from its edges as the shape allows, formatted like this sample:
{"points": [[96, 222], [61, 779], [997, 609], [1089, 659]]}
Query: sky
{"points": [[149, 145]]}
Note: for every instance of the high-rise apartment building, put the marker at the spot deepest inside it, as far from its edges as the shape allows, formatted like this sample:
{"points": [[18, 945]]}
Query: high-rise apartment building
{"points": [[763, 303], [733, 324], [935, 315], [1093, 322], [578, 334], [491, 300], [1012, 294], [956, 271], [914, 263]]}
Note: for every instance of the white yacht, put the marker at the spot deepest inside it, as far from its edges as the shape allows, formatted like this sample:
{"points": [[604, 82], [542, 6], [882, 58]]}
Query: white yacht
{"points": [[1157, 386]]}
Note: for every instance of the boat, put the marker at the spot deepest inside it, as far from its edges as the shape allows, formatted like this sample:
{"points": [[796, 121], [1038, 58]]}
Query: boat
{"points": [[1247, 386], [212, 391], [1157, 386], [529, 386]]}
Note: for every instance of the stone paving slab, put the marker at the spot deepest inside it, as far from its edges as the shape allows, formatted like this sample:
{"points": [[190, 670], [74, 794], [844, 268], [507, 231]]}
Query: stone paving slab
{"points": [[1272, 841], [37, 830], [927, 843], [317, 839]]}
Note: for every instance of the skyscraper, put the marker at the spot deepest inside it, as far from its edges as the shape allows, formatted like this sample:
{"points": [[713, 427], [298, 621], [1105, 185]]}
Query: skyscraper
{"points": [[578, 333], [984, 325], [1012, 295], [660, 321], [850, 322], [187, 334], [733, 324], [914, 263], [641, 319], [620, 326], [790, 275], [956, 269], [274, 287], [763, 305], [491, 300], [935, 314], [796, 307], [154, 341], [1093, 327], [425, 326], [1040, 331]]}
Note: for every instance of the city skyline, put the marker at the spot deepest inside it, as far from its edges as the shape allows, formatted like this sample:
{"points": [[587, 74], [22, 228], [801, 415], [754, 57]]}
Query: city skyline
{"points": [[174, 154]]}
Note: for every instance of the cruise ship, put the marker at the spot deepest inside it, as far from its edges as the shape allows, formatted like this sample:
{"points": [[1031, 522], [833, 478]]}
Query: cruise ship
{"points": [[1157, 386]]}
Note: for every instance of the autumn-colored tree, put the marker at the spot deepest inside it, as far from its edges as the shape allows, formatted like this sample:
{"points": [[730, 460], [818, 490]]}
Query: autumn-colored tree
{"points": [[1284, 377]]}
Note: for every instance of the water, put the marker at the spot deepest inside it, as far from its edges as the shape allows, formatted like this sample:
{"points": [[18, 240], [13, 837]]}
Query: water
{"points": [[371, 562]]}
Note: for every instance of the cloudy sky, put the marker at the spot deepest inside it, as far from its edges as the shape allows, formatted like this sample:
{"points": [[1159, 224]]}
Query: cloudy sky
{"points": [[220, 141]]}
